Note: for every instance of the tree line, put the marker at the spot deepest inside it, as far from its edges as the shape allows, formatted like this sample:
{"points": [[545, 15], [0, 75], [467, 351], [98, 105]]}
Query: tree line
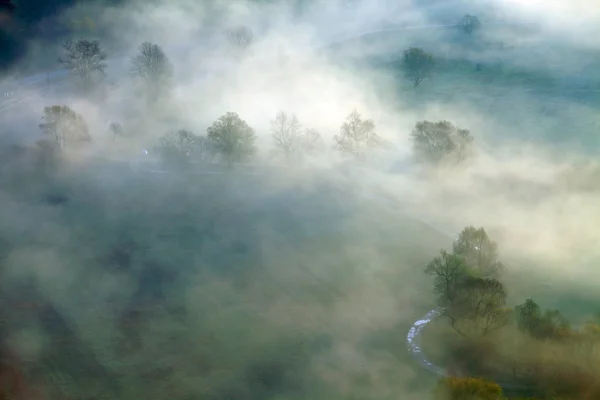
{"points": [[231, 139]]}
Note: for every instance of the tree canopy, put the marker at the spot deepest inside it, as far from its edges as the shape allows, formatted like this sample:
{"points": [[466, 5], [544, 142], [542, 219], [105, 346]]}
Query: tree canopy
{"points": [[357, 136], [85, 58], [154, 70], [417, 65], [441, 142], [232, 138], [65, 126]]}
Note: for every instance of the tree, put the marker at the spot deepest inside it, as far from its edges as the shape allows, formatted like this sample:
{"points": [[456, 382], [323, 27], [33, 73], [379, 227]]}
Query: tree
{"points": [[437, 142], [116, 129], [470, 303], [240, 36], [470, 23], [478, 251], [357, 136], [85, 58], [153, 68], [481, 301], [286, 133], [64, 126], [232, 138], [177, 148], [452, 388], [548, 325], [291, 140], [449, 271], [417, 65]]}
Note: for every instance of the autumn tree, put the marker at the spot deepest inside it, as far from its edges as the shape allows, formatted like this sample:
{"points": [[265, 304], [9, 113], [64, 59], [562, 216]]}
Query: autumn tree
{"points": [[438, 142], [232, 138], [478, 251], [417, 65], [85, 58], [152, 68], [357, 136], [64, 126], [469, 24], [290, 139]]}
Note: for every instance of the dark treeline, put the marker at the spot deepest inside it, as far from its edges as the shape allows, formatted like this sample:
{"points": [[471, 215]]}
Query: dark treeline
{"points": [[22, 21]]}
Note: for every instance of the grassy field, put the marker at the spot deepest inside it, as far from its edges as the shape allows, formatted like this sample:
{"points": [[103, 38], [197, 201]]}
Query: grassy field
{"points": [[325, 262], [543, 103]]}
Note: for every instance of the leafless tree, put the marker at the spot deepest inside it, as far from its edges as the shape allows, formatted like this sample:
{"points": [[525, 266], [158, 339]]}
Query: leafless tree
{"points": [[357, 136], [153, 68], [291, 140], [286, 132], [85, 58]]}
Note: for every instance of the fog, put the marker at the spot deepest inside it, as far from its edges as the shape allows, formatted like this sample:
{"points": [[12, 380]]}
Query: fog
{"points": [[296, 281]]}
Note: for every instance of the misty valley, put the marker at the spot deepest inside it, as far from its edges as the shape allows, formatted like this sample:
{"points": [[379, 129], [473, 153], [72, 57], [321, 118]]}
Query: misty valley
{"points": [[299, 199]]}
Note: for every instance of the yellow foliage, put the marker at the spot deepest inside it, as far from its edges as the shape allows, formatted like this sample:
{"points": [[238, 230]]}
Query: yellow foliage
{"points": [[468, 389]]}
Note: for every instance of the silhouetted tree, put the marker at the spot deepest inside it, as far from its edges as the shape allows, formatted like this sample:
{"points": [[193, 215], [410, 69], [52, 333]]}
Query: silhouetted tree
{"points": [[232, 138], [417, 65], [154, 70], [357, 136], [470, 23], [550, 324], [435, 142], [85, 58], [116, 129]]}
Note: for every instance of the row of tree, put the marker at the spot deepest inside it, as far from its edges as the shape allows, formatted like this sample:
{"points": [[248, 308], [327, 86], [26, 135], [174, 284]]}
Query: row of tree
{"points": [[233, 139]]}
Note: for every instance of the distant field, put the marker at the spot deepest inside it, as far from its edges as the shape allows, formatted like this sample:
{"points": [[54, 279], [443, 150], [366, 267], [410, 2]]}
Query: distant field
{"points": [[550, 105]]}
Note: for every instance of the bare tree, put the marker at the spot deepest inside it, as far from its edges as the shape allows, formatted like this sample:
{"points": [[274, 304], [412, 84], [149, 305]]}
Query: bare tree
{"points": [[64, 126], [153, 69], [312, 141], [417, 65], [286, 133], [85, 58], [241, 36], [232, 138], [357, 136], [291, 140]]}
